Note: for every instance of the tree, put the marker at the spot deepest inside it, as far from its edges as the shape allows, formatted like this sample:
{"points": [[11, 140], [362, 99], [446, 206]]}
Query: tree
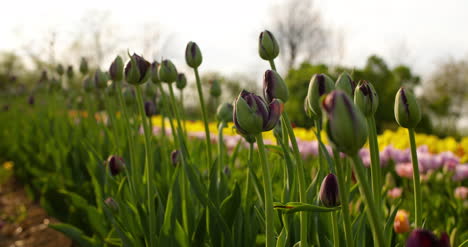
{"points": [[300, 31]]}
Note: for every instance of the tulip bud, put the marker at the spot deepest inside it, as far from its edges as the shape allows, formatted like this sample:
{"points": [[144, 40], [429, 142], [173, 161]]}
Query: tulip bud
{"points": [[116, 70], [319, 85], [252, 115], [329, 193], [167, 71], [60, 70], [70, 72], [175, 158], [31, 99], [421, 237], [268, 47], [274, 87], [345, 126], [193, 55], [112, 204], [43, 77], [401, 222], [224, 112], [215, 89], [366, 98], [181, 81], [84, 66], [88, 84], [154, 72], [227, 171], [407, 111], [116, 164], [150, 109], [100, 79], [137, 70], [346, 84]]}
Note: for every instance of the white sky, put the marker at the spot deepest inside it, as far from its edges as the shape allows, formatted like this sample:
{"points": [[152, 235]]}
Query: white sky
{"points": [[416, 32]]}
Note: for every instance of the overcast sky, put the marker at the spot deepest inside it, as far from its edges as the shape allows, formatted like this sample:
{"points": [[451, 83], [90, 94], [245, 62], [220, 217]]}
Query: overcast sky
{"points": [[416, 32]]}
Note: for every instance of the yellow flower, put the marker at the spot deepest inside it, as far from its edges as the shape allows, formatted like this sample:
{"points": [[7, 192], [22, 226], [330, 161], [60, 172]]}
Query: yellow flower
{"points": [[8, 165]]}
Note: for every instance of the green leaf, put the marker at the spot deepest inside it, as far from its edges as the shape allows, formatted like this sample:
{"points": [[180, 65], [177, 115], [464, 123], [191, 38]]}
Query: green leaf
{"points": [[464, 244], [391, 218], [75, 234], [293, 207], [231, 204]]}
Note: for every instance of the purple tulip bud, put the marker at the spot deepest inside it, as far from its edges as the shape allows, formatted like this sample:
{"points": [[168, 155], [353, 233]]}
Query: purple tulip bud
{"points": [[116, 164], [175, 158], [193, 56], [137, 70], [407, 110], [425, 238], [70, 72], [346, 84], [329, 194], [44, 76], [227, 171], [274, 87], [60, 70], [116, 70], [112, 204], [150, 109], [31, 100], [181, 81], [84, 66]]}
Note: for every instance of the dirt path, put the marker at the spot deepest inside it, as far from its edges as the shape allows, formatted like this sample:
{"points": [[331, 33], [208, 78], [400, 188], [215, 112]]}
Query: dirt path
{"points": [[23, 223]]}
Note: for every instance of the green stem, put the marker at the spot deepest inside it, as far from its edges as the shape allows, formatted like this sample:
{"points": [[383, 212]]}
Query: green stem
{"points": [[269, 212], [416, 180], [318, 126], [343, 192], [176, 110], [336, 235], [375, 162], [221, 126], [247, 187], [205, 118], [148, 164], [372, 213], [301, 177], [272, 64], [167, 111]]}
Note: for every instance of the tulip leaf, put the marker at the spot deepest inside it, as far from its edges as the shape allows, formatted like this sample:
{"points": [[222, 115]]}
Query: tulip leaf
{"points": [[390, 220], [464, 244], [293, 207], [74, 233]]}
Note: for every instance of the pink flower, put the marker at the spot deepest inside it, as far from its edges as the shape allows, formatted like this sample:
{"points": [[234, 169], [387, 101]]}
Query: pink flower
{"points": [[395, 193], [404, 170], [461, 193], [461, 172]]}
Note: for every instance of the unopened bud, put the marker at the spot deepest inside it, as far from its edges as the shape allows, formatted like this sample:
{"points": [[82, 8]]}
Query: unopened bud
{"points": [[150, 109], [346, 84], [116, 164], [215, 89], [193, 56], [268, 47], [111, 204], [319, 85], [70, 72], [329, 193], [167, 71], [137, 70], [175, 158], [84, 66], [224, 112], [181, 81], [116, 70], [60, 70], [366, 98], [407, 111], [274, 87]]}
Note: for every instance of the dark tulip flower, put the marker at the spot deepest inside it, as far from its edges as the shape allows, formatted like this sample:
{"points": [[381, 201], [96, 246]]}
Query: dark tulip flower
{"points": [[116, 164], [407, 110], [175, 157], [425, 238], [193, 55], [150, 109], [366, 98], [31, 100], [137, 70], [329, 193], [268, 47], [252, 115], [346, 126], [274, 87], [181, 81], [116, 70]]}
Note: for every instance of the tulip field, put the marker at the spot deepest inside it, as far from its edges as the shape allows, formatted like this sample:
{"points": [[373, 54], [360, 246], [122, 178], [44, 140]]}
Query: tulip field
{"points": [[120, 163]]}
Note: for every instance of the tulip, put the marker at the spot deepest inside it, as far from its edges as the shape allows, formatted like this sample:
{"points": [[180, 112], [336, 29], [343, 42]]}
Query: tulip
{"points": [[137, 70], [268, 47], [401, 222], [274, 87], [167, 71], [150, 109], [329, 194], [346, 126], [70, 72], [60, 70], [366, 98], [43, 77], [112, 204], [175, 157], [116, 164], [224, 112], [252, 115], [425, 238], [31, 100], [215, 89], [181, 81], [346, 84], [84, 66], [461, 193], [407, 110], [100, 79], [193, 56], [116, 69], [154, 72], [319, 85]]}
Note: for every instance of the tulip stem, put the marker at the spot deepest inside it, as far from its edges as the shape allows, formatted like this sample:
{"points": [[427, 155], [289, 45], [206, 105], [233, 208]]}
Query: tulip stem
{"points": [[373, 215], [175, 109], [251, 154], [336, 235], [375, 161], [205, 118], [300, 173], [416, 180], [272, 64], [343, 192], [269, 212], [221, 126]]}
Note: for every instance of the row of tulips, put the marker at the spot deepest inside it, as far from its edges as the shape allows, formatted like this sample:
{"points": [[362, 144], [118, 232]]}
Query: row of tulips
{"points": [[151, 191]]}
